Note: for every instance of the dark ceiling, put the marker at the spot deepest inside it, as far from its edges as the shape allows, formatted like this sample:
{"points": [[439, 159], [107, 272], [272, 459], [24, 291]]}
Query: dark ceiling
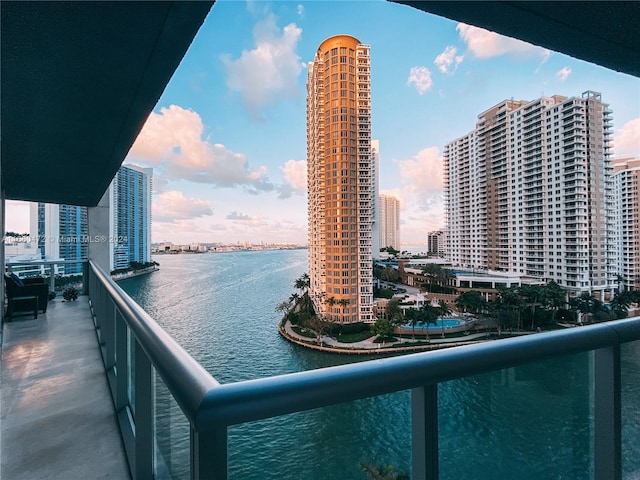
{"points": [[78, 79], [605, 33], [78, 82]]}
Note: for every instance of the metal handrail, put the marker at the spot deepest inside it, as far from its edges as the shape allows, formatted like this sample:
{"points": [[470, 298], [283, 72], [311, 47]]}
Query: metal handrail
{"points": [[212, 407], [258, 399], [186, 379]]}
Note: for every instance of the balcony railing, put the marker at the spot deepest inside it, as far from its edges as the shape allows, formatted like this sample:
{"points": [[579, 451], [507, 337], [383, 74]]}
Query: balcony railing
{"points": [[133, 345], [50, 270]]}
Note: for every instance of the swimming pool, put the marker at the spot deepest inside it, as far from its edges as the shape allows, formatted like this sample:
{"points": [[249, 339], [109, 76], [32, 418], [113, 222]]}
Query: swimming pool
{"points": [[442, 322]]}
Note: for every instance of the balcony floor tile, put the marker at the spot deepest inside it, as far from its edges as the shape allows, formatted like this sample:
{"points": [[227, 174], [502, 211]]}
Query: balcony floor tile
{"points": [[57, 418]]}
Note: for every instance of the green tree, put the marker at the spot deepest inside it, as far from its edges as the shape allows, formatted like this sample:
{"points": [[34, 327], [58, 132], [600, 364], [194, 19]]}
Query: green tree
{"points": [[429, 315], [589, 306], [390, 274], [413, 316], [510, 302], [394, 312], [471, 301], [438, 275], [554, 298], [318, 325], [283, 307], [532, 297], [391, 251], [443, 309], [382, 328]]}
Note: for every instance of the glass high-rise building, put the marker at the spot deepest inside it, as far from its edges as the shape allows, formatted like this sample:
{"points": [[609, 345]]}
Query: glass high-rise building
{"points": [[61, 233], [130, 209], [340, 179]]}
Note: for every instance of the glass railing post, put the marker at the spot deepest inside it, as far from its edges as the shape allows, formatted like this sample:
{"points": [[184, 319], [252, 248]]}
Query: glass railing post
{"points": [[607, 416], [424, 432], [209, 454], [85, 278], [144, 412], [110, 335], [121, 399], [52, 277]]}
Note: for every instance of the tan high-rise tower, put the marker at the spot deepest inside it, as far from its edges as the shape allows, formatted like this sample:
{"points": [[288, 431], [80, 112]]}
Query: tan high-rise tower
{"points": [[340, 180]]}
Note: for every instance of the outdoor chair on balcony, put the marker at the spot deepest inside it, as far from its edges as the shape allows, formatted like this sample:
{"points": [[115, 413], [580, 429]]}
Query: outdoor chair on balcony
{"points": [[26, 295]]}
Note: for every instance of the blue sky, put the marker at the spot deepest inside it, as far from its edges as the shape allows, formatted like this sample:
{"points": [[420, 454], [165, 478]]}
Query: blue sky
{"points": [[227, 139]]}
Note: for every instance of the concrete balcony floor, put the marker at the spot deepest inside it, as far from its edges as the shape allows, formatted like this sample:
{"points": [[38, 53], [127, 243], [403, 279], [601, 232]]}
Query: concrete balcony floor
{"points": [[57, 418]]}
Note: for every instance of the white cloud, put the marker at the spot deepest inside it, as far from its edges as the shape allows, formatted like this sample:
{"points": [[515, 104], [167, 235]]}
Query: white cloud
{"points": [[448, 59], [300, 11], [172, 206], [238, 216], [172, 142], [268, 72], [420, 196], [420, 77], [485, 44], [563, 73], [423, 172], [626, 140], [295, 174]]}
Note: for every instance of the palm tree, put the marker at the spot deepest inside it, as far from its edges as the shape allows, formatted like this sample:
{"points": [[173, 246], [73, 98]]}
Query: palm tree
{"points": [[303, 283], [283, 307], [445, 310], [429, 315], [471, 301], [532, 295], [394, 312], [554, 298], [510, 300], [412, 315]]}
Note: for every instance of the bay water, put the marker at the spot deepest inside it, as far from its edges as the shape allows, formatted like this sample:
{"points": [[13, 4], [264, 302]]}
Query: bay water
{"points": [[532, 422]]}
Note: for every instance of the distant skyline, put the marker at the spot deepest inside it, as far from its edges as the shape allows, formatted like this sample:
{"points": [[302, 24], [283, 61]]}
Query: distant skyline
{"points": [[227, 139]]}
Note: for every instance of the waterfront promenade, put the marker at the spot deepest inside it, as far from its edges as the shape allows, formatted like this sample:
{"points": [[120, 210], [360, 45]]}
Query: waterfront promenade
{"points": [[370, 346], [57, 417]]}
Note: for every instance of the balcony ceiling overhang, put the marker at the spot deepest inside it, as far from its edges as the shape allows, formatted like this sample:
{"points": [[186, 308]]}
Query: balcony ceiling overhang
{"points": [[78, 81], [601, 32]]}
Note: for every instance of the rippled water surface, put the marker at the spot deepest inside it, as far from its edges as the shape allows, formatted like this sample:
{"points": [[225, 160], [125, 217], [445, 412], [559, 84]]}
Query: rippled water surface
{"points": [[530, 422]]}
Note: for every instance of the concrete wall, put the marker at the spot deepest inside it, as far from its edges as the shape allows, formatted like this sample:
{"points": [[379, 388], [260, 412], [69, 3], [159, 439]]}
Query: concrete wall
{"points": [[99, 233]]}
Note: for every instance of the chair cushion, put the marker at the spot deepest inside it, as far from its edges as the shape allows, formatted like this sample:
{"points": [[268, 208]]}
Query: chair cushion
{"points": [[17, 280]]}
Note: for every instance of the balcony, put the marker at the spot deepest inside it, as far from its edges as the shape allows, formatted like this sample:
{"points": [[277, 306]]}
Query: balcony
{"points": [[139, 357], [132, 348]]}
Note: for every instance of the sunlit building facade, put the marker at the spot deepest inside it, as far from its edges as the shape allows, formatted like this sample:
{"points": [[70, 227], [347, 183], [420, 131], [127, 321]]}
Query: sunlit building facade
{"points": [[340, 179], [626, 182], [529, 191]]}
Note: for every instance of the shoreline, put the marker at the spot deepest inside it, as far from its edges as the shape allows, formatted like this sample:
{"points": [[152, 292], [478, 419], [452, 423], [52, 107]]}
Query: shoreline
{"points": [[284, 328], [134, 273]]}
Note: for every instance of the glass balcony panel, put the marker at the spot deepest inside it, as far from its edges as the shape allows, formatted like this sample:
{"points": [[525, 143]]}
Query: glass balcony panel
{"points": [[532, 421], [376, 432], [630, 417], [131, 379], [171, 448]]}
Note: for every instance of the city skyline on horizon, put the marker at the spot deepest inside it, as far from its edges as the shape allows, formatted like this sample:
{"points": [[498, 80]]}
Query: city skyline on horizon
{"points": [[227, 140]]}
